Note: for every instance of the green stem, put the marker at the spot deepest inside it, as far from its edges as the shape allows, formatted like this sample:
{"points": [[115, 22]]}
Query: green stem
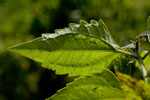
{"points": [[146, 54], [143, 69], [142, 66], [127, 53], [137, 56]]}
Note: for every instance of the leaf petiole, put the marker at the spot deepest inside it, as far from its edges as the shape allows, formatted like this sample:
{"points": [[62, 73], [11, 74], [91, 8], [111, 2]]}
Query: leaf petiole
{"points": [[146, 54]]}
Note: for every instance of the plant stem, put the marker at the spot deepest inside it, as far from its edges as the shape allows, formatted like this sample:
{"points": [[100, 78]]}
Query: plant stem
{"points": [[140, 60], [137, 56], [146, 54], [144, 72], [127, 53]]}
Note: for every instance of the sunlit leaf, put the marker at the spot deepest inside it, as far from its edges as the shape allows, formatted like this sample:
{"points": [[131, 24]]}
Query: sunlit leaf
{"points": [[100, 86], [80, 49], [134, 89]]}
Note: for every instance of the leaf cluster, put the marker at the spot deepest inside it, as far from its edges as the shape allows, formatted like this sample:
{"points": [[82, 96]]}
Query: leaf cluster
{"points": [[87, 50]]}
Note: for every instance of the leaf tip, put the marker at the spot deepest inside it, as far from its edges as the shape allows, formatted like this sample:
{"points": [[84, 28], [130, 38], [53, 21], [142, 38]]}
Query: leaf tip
{"points": [[10, 48]]}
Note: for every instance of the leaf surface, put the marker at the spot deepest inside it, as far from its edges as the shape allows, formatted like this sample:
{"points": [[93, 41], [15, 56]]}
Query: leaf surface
{"points": [[134, 89], [80, 49], [99, 86], [124, 64]]}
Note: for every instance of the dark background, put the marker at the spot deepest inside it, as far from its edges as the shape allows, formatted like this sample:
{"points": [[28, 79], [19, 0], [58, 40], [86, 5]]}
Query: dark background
{"points": [[23, 20]]}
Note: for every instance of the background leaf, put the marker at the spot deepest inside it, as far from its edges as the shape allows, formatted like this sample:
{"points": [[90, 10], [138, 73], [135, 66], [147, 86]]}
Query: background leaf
{"points": [[124, 64], [80, 49], [134, 89], [100, 86], [23, 20]]}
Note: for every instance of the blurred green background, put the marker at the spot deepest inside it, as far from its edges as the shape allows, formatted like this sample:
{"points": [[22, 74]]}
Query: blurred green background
{"points": [[23, 20]]}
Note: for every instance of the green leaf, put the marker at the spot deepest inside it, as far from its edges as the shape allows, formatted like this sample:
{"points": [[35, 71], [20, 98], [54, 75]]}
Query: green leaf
{"points": [[80, 49], [124, 64], [134, 89], [148, 28], [99, 86]]}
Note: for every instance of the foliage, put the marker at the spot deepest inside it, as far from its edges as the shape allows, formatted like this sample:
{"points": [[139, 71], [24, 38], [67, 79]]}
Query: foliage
{"points": [[146, 60], [124, 64], [134, 89], [125, 17], [68, 50], [81, 50], [95, 87], [22, 20]]}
